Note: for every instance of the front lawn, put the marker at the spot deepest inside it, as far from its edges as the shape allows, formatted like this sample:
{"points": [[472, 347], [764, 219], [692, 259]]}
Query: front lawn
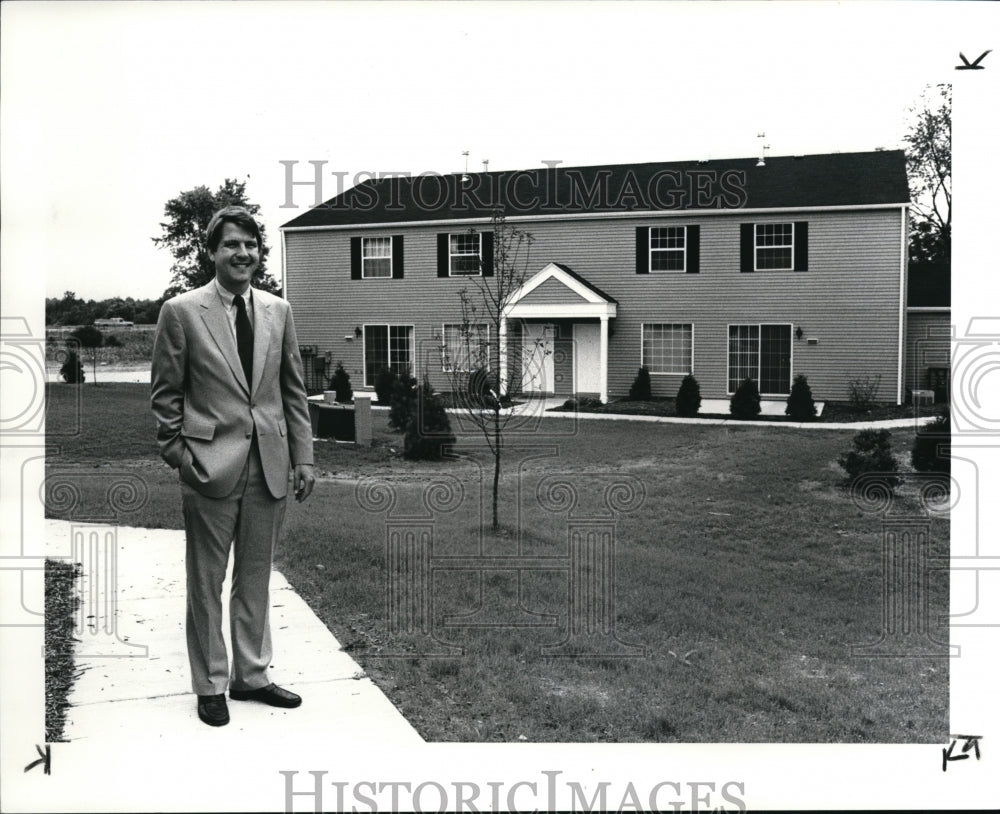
{"points": [[745, 576]]}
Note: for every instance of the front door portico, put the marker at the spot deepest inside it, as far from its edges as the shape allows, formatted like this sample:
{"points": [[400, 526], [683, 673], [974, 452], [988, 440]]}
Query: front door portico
{"points": [[558, 293]]}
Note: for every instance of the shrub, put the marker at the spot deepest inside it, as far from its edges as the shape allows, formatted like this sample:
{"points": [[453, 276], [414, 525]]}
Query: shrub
{"points": [[688, 401], [482, 389], [88, 336], [340, 382], [385, 380], [113, 342], [862, 391], [745, 402], [932, 447], [642, 388], [72, 369], [402, 401], [872, 453], [428, 429], [800, 405]]}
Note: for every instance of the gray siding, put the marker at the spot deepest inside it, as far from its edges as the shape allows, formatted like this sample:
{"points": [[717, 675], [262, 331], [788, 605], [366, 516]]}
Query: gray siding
{"points": [[928, 344], [552, 292], [848, 300]]}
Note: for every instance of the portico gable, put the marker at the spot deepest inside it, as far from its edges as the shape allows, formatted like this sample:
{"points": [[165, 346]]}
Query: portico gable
{"points": [[557, 292]]}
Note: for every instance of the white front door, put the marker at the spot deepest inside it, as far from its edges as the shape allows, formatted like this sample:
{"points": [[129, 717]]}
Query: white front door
{"points": [[538, 371], [586, 357]]}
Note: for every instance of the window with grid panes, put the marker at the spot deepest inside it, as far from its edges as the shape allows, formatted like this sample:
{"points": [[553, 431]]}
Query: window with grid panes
{"points": [[387, 346], [666, 347], [466, 348], [666, 248], [464, 257], [764, 353], [773, 246], [744, 354]]}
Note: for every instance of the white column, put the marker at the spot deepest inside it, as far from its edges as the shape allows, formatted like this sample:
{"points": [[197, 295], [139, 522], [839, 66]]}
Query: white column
{"points": [[503, 355], [604, 359]]}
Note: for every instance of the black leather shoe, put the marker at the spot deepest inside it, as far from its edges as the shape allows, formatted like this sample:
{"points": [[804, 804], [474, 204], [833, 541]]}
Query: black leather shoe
{"points": [[212, 709], [272, 694]]}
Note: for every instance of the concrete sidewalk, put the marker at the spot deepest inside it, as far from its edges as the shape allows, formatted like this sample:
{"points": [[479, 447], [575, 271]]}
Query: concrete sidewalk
{"points": [[133, 678]]}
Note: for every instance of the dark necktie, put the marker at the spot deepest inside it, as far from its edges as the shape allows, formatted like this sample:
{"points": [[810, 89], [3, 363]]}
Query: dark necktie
{"points": [[244, 337]]}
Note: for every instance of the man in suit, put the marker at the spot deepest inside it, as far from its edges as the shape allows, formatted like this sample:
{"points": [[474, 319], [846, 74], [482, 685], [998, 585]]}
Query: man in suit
{"points": [[230, 404]]}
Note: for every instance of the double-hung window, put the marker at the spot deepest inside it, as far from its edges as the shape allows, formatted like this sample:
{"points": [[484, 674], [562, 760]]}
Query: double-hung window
{"points": [[376, 257], [464, 255], [667, 248], [774, 247]]}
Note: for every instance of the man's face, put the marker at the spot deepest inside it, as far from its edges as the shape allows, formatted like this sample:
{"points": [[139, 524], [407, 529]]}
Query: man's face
{"points": [[236, 259]]}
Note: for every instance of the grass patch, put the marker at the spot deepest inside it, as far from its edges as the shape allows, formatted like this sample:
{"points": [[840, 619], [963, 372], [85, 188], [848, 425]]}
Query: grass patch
{"points": [[746, 575], [61, 602]]}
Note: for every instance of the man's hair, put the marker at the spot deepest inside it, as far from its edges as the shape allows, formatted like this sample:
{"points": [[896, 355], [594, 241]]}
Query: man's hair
{"points": [[231, 214]]}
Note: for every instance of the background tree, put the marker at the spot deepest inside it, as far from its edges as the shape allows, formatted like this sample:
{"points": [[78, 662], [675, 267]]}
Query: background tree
{"points": [[184, 236], [928, 166], [89, 337], [473, 358]]}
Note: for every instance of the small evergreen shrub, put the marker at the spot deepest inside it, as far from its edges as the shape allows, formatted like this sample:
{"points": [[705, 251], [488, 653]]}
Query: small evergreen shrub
{"points": [[385, 381], [688, 401], [642, 388], [113, 342], [340, 382], [932, 446], [872, 453], [745, 402], [428, 430], [403, 401], [800, 405], [72, 369]]}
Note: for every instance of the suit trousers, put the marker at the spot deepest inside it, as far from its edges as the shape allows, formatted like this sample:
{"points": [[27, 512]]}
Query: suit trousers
{"points": [[248, 520]]}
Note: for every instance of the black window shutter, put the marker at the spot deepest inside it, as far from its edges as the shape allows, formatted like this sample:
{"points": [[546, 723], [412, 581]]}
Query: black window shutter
{"points": [[355, 258], [746, 247], [486, 239], [802, 245], [442, 254], [642, 250], [397, 257], [693, 238]]}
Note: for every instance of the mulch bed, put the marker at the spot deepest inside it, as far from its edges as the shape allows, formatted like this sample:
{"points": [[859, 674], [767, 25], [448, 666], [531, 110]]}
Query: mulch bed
{"points": [[833, 412]]}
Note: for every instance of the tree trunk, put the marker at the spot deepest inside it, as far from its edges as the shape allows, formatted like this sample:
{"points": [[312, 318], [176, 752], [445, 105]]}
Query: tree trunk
{"points": [[496, 470]]}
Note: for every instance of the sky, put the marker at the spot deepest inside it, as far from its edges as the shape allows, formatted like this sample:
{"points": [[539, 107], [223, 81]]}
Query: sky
{"points": [[110, 110]]}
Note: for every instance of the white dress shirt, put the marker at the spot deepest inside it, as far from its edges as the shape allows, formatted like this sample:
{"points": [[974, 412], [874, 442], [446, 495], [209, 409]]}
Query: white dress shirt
{"points": [[228, 302]]}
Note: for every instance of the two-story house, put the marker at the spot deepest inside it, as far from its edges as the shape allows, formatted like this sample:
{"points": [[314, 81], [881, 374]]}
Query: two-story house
{"points": [[722, 268]]}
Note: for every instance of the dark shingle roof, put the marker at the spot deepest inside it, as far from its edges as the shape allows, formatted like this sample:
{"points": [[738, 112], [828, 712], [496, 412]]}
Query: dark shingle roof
{"points": [[837, 179], [584, 282]]}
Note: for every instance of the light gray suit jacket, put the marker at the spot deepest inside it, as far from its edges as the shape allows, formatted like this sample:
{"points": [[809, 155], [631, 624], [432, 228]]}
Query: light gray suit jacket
{"points": [[205, 409]]}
